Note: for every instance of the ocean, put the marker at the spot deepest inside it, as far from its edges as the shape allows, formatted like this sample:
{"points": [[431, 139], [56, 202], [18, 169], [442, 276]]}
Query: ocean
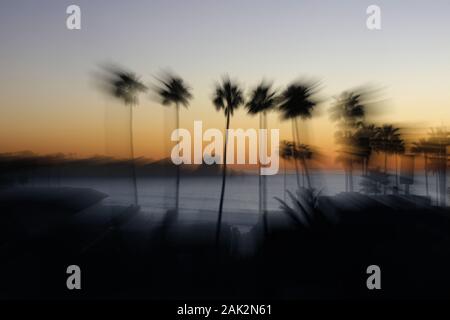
{"points": [[203, 192]]}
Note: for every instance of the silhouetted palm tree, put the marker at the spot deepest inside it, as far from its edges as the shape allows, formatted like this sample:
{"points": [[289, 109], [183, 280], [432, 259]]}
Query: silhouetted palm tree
{"points": [[348, 111], [439, 141], [387, 137], [303, 152], [398, 147], [298, 101], [228, 96], [428, 148], [286, 153], [364, 139], [387, 140], [173, 91], [126, 86], [262, 99]]}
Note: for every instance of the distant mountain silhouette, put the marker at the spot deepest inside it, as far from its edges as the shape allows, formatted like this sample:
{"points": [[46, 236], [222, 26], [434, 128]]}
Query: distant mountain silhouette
{"points": [[165, 166], [24, 167]]}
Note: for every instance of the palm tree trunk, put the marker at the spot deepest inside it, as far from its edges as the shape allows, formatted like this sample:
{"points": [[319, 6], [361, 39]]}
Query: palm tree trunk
{"points": [[442, 177], [385, 172], [305, 168], [284, 184], [297, 137], [396, 169], [294, 155], [177, 188], [363, 165], [346, 176], [350, 176], [136, 200], [303, 176], [224, 175], [426, 175], [437, 186], [385, 162], [260, 195], [264, 185]]}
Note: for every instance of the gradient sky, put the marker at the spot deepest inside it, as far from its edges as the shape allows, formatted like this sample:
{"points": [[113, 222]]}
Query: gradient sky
{"points": [[49, 103]]}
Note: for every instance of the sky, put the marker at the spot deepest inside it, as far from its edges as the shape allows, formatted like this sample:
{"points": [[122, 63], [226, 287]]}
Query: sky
{"points": [[49, 101]]}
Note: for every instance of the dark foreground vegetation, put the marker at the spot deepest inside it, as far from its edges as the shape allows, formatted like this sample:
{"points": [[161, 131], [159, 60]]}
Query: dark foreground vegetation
{"points": [[315, 247]]}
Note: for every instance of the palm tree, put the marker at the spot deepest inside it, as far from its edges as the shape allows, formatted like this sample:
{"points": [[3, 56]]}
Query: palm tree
{"points": [[228, 96], [387, 140], [125, 86], [398, 147], [298, 101], [423, 147], [262, 99], [348, 111], [286, 153], [439, 141], [303, 152], [172, 90], [364, 138]]}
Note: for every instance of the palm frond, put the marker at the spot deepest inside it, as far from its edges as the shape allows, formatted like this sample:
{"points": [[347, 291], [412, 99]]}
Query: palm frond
{"points": [[262, 99], [173, 90], [298, 100], [228, 96]]}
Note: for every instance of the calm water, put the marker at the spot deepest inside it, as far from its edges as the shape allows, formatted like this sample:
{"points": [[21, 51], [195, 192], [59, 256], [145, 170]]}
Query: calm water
{"points": [[202, 193]]}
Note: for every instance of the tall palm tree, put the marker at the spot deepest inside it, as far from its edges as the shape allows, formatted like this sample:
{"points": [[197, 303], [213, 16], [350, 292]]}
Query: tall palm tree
{"points": [[298, 101], [286, 153], [363, 140], [172, 90], [228, 96], [398, 147], [262, 99], [387, 141], [303, 152], [125, 86], [348, 111]]}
